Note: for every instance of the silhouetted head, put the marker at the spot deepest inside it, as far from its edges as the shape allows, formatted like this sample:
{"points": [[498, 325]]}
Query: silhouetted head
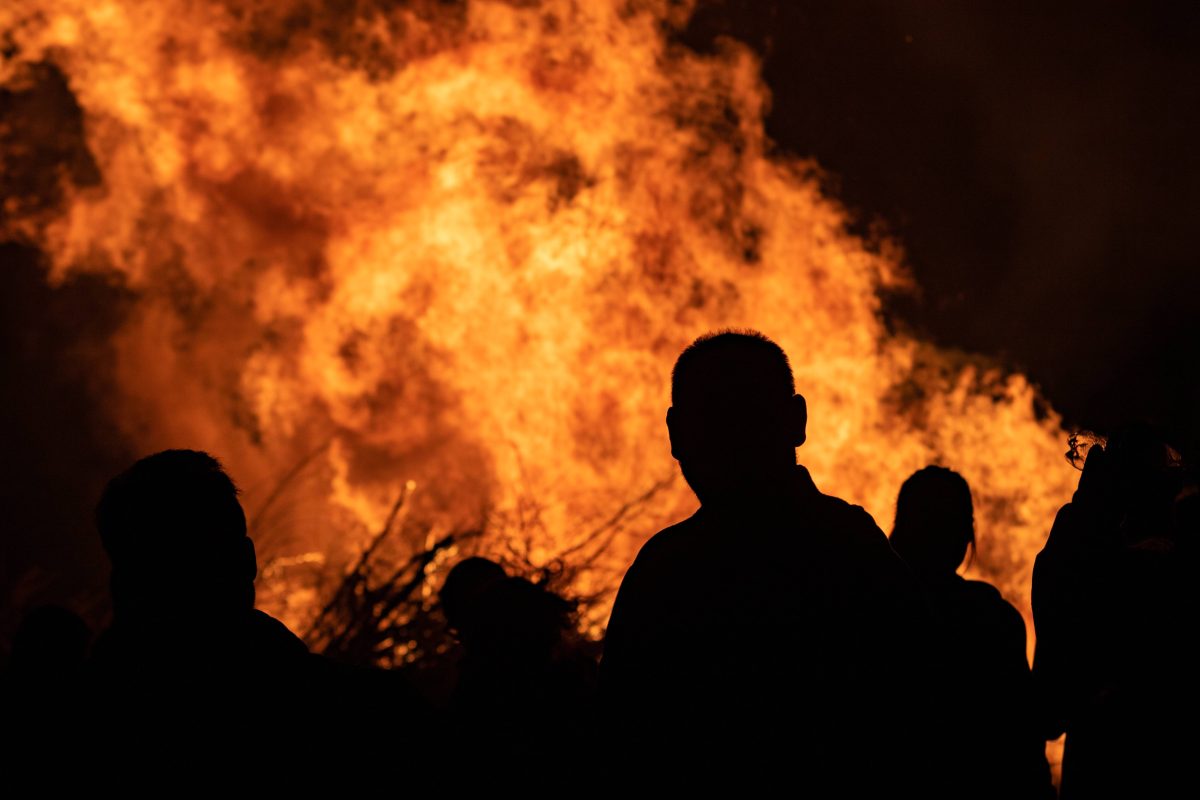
{"points": [[935, 521], [464, 588], [735, 419], [517, 620], [1147, 474], [495, 614], [176, 535]]}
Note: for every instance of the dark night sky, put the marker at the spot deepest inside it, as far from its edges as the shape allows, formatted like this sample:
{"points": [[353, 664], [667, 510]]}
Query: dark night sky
{"points": [[1038, 164]]}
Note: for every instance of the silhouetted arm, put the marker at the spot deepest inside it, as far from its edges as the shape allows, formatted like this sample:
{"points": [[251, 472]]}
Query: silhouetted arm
{"points": [[1071, 609], [645, 678], [903, 679], [1053, 581], [633, 642]]}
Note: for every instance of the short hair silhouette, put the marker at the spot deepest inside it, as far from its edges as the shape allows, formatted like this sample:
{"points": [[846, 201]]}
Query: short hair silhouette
{"points": [[703, 360], [935, 520], [176, 533], [1144, 472], [735, 420], [800, 588]]}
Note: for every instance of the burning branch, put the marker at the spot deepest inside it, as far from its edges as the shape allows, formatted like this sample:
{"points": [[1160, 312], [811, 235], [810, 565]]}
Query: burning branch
{"points": [[383, 622]]}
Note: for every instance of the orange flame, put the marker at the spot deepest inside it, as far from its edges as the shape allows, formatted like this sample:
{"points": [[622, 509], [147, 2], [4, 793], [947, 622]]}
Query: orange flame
{"points": [[461, 246]]}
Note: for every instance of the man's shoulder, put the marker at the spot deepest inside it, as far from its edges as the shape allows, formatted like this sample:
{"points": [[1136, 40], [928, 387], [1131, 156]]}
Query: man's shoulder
{"points": [[987, 597], [983, 592], [670, 542], [653, 581], [850, 522], [274, 638], [853, 546]]}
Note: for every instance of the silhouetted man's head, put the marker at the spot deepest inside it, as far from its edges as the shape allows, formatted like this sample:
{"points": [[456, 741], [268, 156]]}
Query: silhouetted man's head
{"points": [[935, 521], [176, 535], [735, 418]]}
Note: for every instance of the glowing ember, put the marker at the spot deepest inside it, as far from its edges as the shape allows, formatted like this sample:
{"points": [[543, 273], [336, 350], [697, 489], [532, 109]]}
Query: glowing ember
{"points": [[461, 245]]}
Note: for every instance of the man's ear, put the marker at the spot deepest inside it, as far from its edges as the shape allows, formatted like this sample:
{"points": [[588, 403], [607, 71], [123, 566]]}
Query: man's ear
{"points": [[671, 430], [799, 420]]}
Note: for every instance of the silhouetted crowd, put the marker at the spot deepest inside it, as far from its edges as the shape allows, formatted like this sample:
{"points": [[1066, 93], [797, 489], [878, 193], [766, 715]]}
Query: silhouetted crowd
{"points": [[774, 642]]}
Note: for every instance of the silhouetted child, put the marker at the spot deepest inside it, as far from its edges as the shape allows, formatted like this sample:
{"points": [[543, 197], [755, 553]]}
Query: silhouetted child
{"points": [[465, 585], [994, 741], [760, 640], [523, 698], [1117, 613]]}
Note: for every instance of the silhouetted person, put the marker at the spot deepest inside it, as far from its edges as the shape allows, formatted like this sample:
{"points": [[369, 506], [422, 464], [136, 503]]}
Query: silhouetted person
{"points": [[41, 681], [981, 642], [760, 639], [41, 696], [50, 645], [1117, 613], [188, 661], [523, 698]]}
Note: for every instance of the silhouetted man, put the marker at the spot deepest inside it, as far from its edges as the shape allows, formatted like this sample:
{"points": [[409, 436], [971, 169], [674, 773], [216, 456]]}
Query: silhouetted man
{"points": [[187, 656], [758, 640], [525, 687]]}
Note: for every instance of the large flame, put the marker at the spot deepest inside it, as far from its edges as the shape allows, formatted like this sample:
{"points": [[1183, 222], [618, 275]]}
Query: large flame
{"points": [[459, 245]]}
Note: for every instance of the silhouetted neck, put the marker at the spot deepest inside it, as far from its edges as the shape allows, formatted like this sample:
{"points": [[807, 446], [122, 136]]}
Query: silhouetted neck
{"points": [[789, 494]]}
